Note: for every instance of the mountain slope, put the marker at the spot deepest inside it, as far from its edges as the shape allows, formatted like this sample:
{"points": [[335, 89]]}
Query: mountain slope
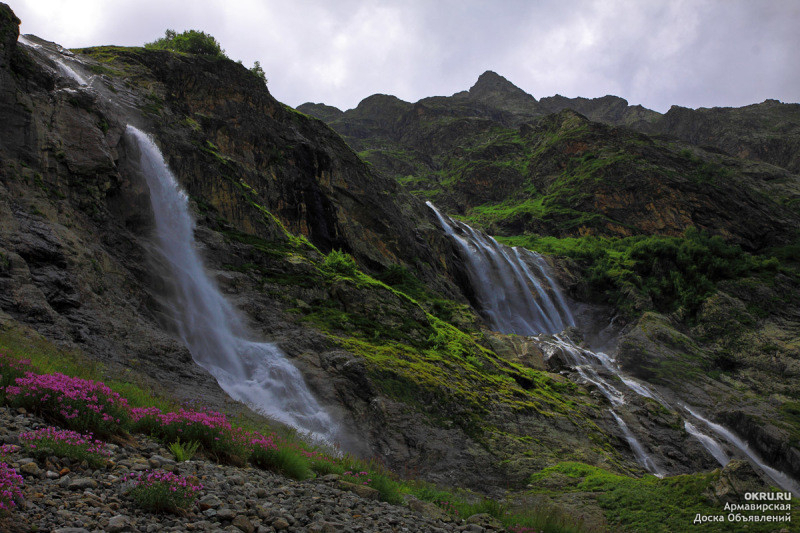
{"points": [[694, 246], [387, 342]]}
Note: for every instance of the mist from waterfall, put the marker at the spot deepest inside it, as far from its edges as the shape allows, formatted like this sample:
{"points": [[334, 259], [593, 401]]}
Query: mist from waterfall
{"points": [[514, 288], [255, 373]]}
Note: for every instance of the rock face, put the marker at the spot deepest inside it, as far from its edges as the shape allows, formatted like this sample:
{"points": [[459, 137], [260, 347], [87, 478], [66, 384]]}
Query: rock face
{"points": [[387, 342], [577, 168], [273, 191]]}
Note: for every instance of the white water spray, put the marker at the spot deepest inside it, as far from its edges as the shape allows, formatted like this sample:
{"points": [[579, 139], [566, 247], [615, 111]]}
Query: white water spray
{"points": [[255, 373], [780, 479], [638, 450], [513, 297]]}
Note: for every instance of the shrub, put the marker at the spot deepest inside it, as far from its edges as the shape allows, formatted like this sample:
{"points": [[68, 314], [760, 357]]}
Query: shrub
{"points": [[185, 451], [210, 429], [338, 262], [322, 464], [258, 72], [189, 42], [10, 488], [10, 370], [156, 490], [75, 403], [378, 480], [267, 454], [65, 443]]}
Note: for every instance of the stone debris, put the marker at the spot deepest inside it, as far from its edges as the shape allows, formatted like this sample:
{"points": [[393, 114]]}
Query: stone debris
{"points": [[66, 496]]}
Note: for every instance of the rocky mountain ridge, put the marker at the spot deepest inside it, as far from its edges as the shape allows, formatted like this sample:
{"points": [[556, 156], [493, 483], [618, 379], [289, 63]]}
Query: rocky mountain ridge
{"points": [[586, 180], [273, 191], [387, 340]]}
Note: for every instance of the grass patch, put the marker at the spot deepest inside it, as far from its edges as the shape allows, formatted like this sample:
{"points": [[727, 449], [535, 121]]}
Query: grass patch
{"points": [[644, 504], [668, 272]]}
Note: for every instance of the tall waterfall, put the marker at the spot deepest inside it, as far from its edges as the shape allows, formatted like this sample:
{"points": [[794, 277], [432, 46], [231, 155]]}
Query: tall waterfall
{"points": [[516, 299], [255, 373], [513, 296]]}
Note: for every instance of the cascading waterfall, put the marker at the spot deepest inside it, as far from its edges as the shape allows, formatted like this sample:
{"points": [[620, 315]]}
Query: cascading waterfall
{"points": [[255, 373], [780, 479], [512, 296], [61, 64], [709, 443], [589, 366], [642, 456], [514, 299]]}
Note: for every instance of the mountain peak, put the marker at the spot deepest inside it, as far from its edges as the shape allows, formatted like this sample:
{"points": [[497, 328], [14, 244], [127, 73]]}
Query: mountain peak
{"points": [[495, 91], [492, 82]]}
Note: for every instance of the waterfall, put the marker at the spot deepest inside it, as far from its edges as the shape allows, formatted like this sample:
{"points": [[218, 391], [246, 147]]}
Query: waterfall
{"points": [[638, 450], [512, 296], [63, 68], [589, 365], [780, 479], [710, 444], [516, 299], [255, 373]]}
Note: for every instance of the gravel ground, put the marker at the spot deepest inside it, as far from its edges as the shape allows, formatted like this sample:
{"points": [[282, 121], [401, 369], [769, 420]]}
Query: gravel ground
{"points": [[65, 496]]}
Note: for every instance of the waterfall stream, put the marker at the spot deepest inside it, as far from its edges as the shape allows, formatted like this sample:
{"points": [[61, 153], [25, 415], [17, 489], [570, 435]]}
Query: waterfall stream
{"points": [[255, 373], [514, 299]]}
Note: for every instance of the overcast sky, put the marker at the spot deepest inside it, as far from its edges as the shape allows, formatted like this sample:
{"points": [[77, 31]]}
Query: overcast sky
{"points": [[694, 53]]}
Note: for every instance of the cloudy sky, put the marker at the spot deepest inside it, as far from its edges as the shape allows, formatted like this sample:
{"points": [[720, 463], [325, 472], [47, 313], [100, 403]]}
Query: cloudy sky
{"points": [[694, 53]]}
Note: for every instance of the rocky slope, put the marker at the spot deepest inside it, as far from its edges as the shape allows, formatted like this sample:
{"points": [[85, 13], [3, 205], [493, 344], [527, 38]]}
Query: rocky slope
{"points": [[611, 190], [404, 364], [64, 495]]}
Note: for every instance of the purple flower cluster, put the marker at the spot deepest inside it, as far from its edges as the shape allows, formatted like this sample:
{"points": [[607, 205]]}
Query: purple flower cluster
{"points": [[66, 443], [357, 477], [10, 370], [9, 363], [10, 488], [448, 507], [521, 529], [173, 481], [159, 490], [263, 442], [77, 402], [6, 449], [211, 429]]}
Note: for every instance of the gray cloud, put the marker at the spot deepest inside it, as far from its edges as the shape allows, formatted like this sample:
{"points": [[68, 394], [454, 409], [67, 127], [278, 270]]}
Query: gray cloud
{"points": [[655, 53]]}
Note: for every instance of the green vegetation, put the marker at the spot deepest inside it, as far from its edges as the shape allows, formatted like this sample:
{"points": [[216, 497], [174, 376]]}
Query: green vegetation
{"points": [[258, 72], [188, 42], [184, 451], [667, 272], [644, 504], [283, 460], [338, 262]]}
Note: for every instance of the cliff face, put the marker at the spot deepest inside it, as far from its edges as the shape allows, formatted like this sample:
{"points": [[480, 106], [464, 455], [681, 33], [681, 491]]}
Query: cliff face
{"points": [[389, 343], [612, 191], [412, 378]]}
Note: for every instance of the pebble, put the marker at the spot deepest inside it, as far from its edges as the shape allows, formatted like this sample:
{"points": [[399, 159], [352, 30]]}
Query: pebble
{"points": [[234, 499]]}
